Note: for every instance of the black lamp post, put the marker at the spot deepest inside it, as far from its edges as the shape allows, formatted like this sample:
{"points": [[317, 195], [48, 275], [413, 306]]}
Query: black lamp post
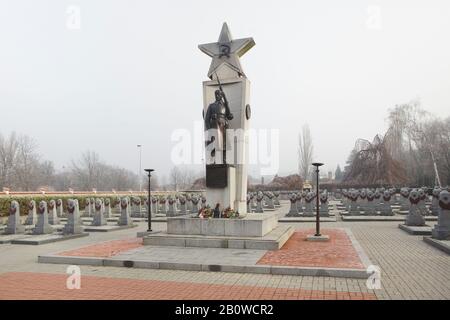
{"points": [[149, 201], [317, 165]]}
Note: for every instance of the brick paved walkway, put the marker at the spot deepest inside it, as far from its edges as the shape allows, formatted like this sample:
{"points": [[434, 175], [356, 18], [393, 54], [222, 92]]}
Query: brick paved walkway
{"points": [[336, 253], [37, 286], [105, 249]]}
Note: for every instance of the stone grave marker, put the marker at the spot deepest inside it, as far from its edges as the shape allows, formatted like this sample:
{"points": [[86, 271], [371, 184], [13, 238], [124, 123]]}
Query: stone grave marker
{"points": [[74, 224], [414, 217], [99, 216], [42, 225], [370, 208], [404, 200], [171, 210], [107, 212], [293, 212], [323, 209], [52, 215], [259, 202], [276, 199], [32, 216], [14, 225], [422, 203], [353, 206], [162, 205], [309, 206], [124, 219], [154, 205], [385, 207], [183, 206], [87, 207], [299, 202], [435, 201], [441, 230], [59, 208]]}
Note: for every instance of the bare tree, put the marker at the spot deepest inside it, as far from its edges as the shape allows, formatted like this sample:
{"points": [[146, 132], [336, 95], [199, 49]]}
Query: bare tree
{"points": [[174, 178], [305, 153], [87, 170], [415, 149], [182, 178], [419, 140], [26, 168], [370, 163], [8, 154], [21, 168]]}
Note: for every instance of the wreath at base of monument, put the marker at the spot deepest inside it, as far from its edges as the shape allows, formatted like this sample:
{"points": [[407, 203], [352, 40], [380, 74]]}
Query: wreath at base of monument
{"points": [[229, 213], [205, 213]]}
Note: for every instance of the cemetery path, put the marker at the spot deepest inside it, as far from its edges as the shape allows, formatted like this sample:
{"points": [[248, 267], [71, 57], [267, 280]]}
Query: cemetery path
{"points": [[410, 269], [336, 253], [36, 286]]}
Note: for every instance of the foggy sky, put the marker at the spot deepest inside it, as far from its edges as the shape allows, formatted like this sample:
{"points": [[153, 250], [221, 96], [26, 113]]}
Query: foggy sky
{"points": [[133, 73]]}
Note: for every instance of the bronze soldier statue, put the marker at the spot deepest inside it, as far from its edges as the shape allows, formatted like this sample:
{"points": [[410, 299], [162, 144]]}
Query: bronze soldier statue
{"points": [[217, 117]]}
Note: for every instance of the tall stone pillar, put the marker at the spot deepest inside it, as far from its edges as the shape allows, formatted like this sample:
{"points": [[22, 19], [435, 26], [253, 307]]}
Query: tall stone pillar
{"points": [[227, 91]]}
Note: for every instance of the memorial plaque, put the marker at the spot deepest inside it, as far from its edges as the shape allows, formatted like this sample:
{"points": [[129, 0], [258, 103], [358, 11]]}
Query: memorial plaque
{"points": [[217, 175]]}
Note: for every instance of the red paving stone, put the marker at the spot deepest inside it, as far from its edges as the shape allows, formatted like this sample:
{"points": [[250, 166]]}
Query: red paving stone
{"points": [[336, 253], [105, 249], [40, 286]]}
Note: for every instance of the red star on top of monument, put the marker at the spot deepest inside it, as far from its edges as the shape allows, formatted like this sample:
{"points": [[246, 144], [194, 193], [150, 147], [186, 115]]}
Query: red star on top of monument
{"points": [[226, 51]]}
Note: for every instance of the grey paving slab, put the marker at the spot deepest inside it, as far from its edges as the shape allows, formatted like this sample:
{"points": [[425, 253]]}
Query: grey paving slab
{"points": [[348, 218], [202, 259], [46, 238], [381, 218], [194, 255], [443, 245], [10, 237], [416, 230], [307, 219], [106, 228]]}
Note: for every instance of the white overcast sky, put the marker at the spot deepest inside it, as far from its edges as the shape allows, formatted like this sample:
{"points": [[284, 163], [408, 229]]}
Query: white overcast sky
{"points": [[133, 72]]}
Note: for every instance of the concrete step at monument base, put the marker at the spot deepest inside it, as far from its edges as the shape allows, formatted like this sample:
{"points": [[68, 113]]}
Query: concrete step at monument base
{"points": [[274, 240]]}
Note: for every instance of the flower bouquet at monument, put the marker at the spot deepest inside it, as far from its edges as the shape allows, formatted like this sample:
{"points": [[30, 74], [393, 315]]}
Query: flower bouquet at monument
{"points": [[229, 213], [205, 213]]}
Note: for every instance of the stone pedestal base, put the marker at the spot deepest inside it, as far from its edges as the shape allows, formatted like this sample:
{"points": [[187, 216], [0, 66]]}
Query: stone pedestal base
{"points": [[252, 225], [224, 196], [273, 240], [254, 231]]}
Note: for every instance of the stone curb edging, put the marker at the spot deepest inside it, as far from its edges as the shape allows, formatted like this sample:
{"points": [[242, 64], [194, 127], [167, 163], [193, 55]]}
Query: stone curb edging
{"points": [[28, 241], [307, 219], [437, 244], [362, 218], [259, 269], [359, 250], [416, 231], [116, 228]]}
